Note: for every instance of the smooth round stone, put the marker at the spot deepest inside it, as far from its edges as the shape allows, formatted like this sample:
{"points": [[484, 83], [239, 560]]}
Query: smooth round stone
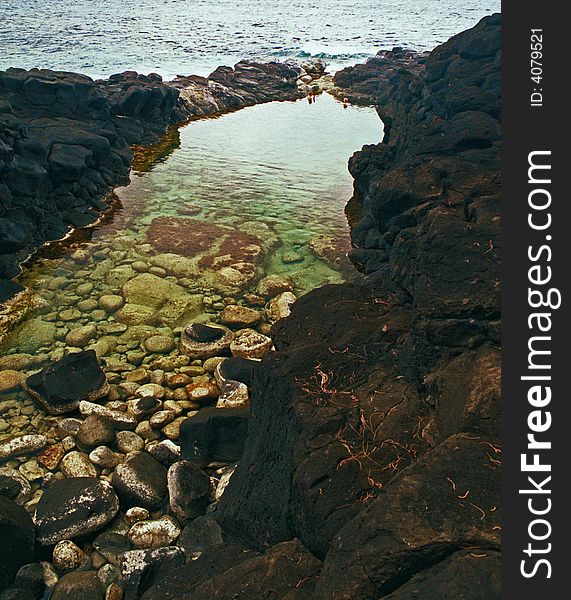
{"points": [[157, 376], [67, 556], [78, 585], [104, 457], [158, 271], [272, 285], [239, 316], [189, 490], [202, 392], [140, 376], [98, 315], [210, 364], [95, 431], [159, 344], [177, 380], [10, 380], [166, 452], [21, 445], [83, 289], [139, 266], [81, 336], [69, 426], [136, 514], [154, 534], [161, 418], [77, 464], [87, 305], [69, 314], [129, 441], [150, 390], [111, 302]]}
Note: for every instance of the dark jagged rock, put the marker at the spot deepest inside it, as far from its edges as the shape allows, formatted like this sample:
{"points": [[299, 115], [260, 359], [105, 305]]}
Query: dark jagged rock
{"points": [[237, 369], [231, 572], [199, 535], [61, 386], [73, 508], [214, 434], [17, 535], [447, 500], [463, 576], [138, 568]]}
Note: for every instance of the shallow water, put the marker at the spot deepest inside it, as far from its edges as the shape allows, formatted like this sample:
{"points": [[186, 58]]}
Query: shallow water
{"points": [[179, 37], [275, 172]]}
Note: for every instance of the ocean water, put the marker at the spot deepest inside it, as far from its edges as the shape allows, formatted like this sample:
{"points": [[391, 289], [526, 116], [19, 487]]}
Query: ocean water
{"points": [[173, 37]]}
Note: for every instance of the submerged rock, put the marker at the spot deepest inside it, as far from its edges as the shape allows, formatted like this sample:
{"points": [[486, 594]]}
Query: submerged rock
{"points": [[280, 306], [72, 508], [61, 386], [248, 343], [205, 341], [239, 316]]}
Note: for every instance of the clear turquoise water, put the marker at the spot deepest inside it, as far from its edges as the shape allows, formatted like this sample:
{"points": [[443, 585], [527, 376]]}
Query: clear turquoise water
{"points": [[182, 37], [282, 164]]}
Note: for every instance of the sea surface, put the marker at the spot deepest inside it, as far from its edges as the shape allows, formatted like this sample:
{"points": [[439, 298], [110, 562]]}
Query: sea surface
{"points": [[170, 37]]}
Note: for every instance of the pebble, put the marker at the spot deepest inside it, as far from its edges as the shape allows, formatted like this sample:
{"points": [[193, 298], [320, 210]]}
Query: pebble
{"points": [[166, 452], [154, 534], [111, 302], [119, 419], [77, 464], [210, 364], [136, 514], [31, 470], [161, 418], [159, 344], [141, 481], [172, 430], [202, 392], [96, 431], [248, 343], [104, 457], [128, 441], [10, 380], [150, 390], [51, 457], [177, 380], [69, 314], [240, 316], [21, 445], [67, 556]]}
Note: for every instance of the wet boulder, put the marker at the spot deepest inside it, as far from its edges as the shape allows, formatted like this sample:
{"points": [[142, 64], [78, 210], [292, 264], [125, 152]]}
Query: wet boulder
{"points": [[215, 434], [78, 585], [189, 490], [141, 481], [62, 385], [73, 508]]}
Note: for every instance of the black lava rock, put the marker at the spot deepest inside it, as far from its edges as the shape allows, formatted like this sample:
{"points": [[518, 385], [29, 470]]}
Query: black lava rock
{"points": [[61, 386], [215, 434]]}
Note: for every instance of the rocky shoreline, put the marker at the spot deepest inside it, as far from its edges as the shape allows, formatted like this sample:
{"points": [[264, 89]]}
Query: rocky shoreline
{"points": [[360, 457]]}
